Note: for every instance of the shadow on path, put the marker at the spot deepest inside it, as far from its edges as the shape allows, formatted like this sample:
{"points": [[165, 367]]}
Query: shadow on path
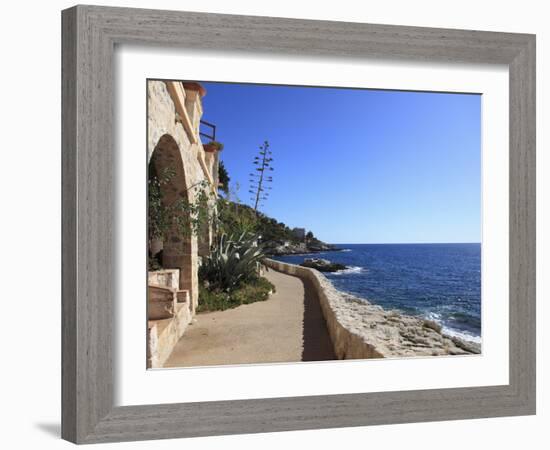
{"points": [[317, 342]]}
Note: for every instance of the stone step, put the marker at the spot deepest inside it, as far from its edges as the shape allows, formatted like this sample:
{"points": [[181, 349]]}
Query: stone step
{"points": [[162, 300]]}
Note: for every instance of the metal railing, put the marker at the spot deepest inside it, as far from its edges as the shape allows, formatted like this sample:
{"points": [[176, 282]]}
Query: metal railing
{"points": [[212, 128]]}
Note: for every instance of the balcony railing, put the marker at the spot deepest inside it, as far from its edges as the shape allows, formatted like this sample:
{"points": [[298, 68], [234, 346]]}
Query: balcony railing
{"points": [[211, 133]]}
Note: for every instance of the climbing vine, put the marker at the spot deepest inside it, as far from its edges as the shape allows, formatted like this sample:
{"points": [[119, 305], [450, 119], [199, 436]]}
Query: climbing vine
{"points": [[187, 216]]}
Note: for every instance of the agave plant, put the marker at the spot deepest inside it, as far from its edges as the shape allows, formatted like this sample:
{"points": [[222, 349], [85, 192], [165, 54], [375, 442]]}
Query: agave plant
{"points": [[233, 260]]}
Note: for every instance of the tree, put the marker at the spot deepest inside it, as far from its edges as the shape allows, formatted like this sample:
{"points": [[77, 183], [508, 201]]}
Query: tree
{"points": [[259, 179], [223, 178], [309, 236]]}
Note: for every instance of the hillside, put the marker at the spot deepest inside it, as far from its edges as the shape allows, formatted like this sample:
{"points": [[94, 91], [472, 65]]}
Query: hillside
{"points": [[276, 237]]}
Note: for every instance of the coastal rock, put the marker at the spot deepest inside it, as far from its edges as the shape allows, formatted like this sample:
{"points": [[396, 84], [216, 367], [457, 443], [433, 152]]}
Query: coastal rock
{"points": [[322, 265], [470, 347], [432, 325]]}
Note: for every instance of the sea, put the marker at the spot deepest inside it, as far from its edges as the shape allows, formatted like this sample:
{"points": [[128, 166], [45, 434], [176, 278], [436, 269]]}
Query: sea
{"points": [[440, 282]]}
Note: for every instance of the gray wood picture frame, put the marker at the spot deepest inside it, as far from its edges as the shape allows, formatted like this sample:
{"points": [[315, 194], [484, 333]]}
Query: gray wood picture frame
{"points": [[90, 34]]}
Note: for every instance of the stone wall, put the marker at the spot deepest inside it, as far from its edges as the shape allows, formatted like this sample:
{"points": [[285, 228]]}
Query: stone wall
{"points": [[173, 141]]}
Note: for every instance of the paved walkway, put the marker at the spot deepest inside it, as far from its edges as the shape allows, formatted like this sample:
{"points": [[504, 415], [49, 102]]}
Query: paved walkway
{"points": [[288, 327]]}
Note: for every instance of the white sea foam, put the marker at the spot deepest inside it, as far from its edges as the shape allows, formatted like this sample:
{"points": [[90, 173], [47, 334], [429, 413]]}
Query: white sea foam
{"points": [[350, 270], [436, 317], [464, 335]]}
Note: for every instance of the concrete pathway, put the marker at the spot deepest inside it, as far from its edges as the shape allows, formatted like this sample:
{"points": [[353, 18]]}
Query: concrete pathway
{"points": [[288, 327]]}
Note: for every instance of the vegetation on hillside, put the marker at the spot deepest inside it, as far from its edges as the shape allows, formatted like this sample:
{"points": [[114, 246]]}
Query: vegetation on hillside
{"points": [[234, 217]]}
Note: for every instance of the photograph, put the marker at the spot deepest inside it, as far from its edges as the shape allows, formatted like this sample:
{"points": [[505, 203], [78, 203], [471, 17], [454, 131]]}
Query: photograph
{"points": [[304, 223], [263, 225]]}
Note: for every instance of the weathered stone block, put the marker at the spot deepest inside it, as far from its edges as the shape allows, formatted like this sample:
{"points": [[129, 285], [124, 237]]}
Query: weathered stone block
{"points": [[161, 302]]}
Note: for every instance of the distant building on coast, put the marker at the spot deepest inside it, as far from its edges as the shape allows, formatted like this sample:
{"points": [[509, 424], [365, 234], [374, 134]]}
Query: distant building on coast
{"points": [[299, 233]]}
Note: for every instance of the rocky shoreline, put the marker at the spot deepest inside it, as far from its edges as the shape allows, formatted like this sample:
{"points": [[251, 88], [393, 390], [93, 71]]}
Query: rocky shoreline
{"points": [[396, 334], [300, 249], [360, 329]]}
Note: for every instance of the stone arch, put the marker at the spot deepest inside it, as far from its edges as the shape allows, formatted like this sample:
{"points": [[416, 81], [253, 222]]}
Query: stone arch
{"points": [[179, 246]]}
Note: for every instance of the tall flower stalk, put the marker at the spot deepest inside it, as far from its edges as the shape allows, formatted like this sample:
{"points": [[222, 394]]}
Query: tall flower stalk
{"points": [[259, 180]]}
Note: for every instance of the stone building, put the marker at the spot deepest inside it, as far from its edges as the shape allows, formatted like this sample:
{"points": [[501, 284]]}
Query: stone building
{"points": [[299, 233], [174, 144]]}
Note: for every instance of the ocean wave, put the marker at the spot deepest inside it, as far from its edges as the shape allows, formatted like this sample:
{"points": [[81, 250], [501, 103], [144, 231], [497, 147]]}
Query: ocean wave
{"points": [[464, 335], [452, 332], [436, 317], [349, 270]]}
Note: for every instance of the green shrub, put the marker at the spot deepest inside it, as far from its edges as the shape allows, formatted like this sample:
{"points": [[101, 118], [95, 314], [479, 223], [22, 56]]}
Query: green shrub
{"points": [[257, 290], [217, 145], [234, 260], [216, 300]]}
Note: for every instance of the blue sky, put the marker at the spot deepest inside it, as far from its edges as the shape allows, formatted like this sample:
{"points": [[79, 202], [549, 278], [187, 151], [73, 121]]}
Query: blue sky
{"points": [[355, 165]]}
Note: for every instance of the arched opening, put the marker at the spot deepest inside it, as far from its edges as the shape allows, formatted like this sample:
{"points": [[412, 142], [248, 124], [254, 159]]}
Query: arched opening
{"points": [[171, 241]]}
